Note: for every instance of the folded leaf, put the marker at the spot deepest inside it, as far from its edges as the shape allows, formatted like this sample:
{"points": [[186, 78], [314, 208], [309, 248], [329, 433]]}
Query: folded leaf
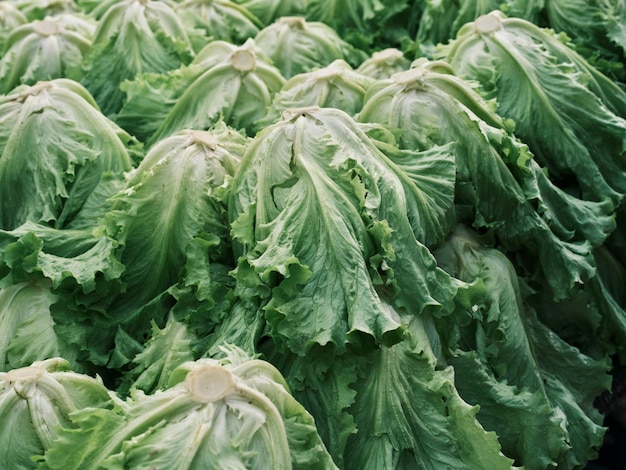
{"points": [[27, 327], [320, 216], [514, 367], [133, 36], [334, 86], [36, 403], [296, 45], [56, 141], [498, 183], [562, 119], [409, 414], [236, 412], [45, 50]]}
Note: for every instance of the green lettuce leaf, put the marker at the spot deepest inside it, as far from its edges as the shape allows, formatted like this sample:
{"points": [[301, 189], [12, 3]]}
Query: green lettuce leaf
{"points": [[178, 192], [219, 19], [499, 186], [321, 382], [38, 9], [524, 422], [296, 45], [516, 369], [348, 15], [321, 227], [10, 19], [132, 37], [115, 279], [428, 178], [595, 28], [95, 8], [409, 414], [334, 86], [237, 90], [441, 20], [236, 412], [243, 325], [150, 96], [564, 122], [594, 320], [229, 83], [55, 140], [355, 13], [165, 350], [36, 403], [172, 208], [269, 11], [45, 50], [82, 268], [70, 259], [613, 13], [26, 326], [573, 381], [369, 25], [383, 64], [205, 299], [607, 294]]}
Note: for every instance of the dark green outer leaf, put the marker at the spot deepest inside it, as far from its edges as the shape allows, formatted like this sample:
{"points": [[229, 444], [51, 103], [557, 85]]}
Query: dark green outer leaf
{"points": [[270, 10], [24, 315], [511, 365], [409, 414], [495, 173], [566, 125]]}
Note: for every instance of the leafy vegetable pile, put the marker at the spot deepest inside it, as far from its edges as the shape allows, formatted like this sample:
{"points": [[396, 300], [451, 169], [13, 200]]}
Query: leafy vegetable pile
{"points": [[311, 234]]}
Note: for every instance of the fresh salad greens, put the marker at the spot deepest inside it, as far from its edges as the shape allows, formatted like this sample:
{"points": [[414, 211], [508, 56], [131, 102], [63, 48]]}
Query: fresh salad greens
{"points": [[312, 235], [46, 49]]}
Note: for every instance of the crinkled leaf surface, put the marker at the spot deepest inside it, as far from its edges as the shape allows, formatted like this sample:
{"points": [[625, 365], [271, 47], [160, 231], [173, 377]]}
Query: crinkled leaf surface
{"points": [[512, 365], [320, 217], [236, 90], [565, 124], [441, 19], [133, 36], [10, 18], [322, 381], [38, 9], [296, 45], [496, 175], [45, 50], [164, 351], [35, 401], [220, 19], [358, 14], [150, 97], [232, 413], [33, 251], [61, 147], [409, 414], [27, 327], [383, 64], [177, 193], [335, 86], [270, 10]]}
